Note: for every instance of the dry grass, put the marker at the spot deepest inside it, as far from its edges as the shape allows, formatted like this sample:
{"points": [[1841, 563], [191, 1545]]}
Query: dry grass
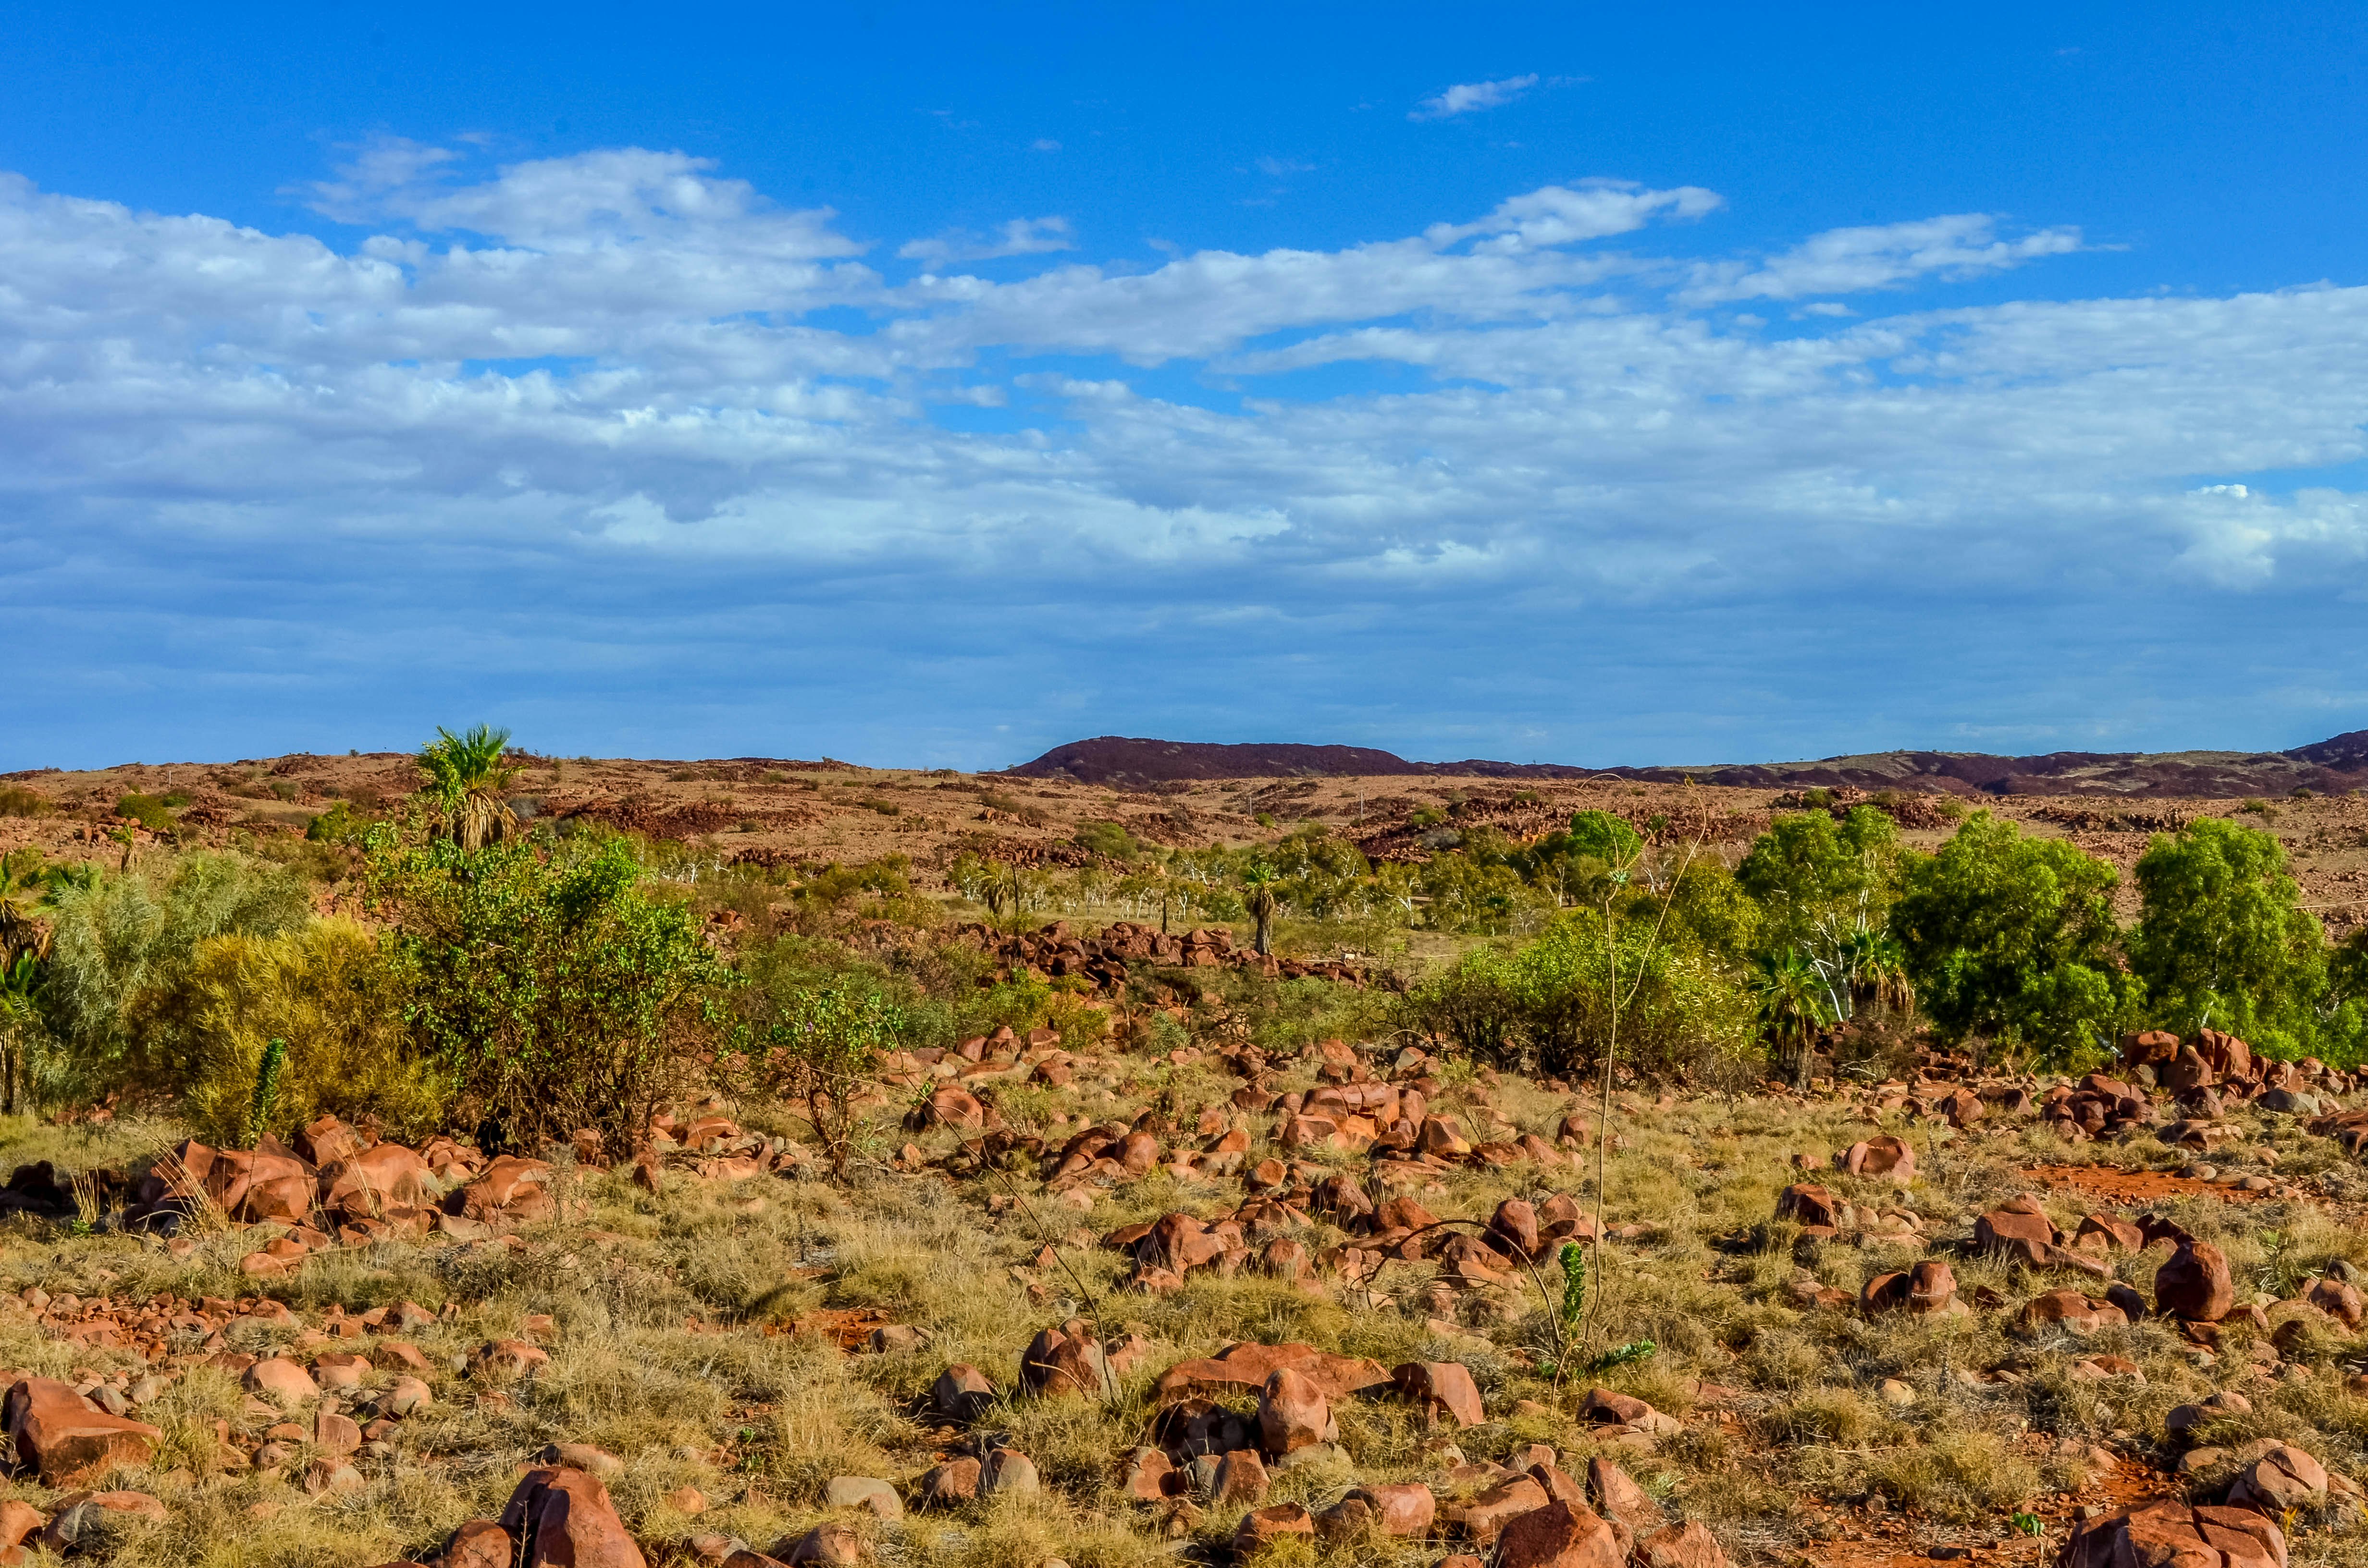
{"points": [[670, 1348]]}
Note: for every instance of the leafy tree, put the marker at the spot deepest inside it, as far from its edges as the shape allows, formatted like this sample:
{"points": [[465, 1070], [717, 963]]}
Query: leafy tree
{"points": [[2222, 940], [1600, 836], [551, 994], [1580, 864], [1818, 882], [2013, 936], [466, 783]]}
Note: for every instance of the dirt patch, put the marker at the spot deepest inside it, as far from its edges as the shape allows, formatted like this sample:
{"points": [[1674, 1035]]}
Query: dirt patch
{"points": [[2135, 1189]]}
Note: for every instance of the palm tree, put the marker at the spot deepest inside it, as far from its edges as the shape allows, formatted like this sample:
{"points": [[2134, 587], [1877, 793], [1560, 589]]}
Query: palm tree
{"points": [[1881, 972], [466, 775], [20, 1016], [1792, 1007], [21, 886], [1259, 881]]}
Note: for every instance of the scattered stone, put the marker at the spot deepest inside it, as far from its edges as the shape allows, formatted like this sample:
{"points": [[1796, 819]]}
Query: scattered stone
{"points": [[563, 1519], [1441, 1388], [1559, 1535], [863, 1491], [2174, 1533], [2194, 1284], [65, 1439], [961, 1393]]}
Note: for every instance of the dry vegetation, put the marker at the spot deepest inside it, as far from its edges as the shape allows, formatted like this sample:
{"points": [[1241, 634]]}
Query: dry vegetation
{"points": [[709, 1315]]}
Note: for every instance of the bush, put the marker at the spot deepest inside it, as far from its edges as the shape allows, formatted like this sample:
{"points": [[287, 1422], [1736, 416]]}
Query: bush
{"points": [[1107, 838], [2223, 938], [120, 952], [1819, 882], [552, 995], [822, 1046], [16, 800], [326, 991], [1551, 1006], [148, 811]]}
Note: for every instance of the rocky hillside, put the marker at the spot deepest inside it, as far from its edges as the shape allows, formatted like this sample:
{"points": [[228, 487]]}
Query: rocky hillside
{"points": [[2330, 767]]}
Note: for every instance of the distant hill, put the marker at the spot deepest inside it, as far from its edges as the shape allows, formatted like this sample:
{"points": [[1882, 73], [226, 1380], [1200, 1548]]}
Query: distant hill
{"points": [[2329, 766]]}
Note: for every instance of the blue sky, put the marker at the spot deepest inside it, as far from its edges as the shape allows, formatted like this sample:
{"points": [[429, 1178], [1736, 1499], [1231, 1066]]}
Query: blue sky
{"points": [[930, 385]]}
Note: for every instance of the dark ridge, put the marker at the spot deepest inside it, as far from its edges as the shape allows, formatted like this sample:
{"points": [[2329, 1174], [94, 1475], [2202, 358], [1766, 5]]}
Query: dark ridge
{"points": [[2329, 766]]}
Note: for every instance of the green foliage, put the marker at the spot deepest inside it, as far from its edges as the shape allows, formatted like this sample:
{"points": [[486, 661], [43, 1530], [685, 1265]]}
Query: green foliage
{"points": [[267, 1088], [1572, 1308], [1600, 836], [1789, 999], [2013, 936], [2222, 939], [323, 994], [149, 810], [1108, 838], [1817, 881], [466, 781], [16, 800], [821, 1047], [339, 825], [121, 951], [551, 994], [1470, 895], [1553, 1004], [1626, 1355]]}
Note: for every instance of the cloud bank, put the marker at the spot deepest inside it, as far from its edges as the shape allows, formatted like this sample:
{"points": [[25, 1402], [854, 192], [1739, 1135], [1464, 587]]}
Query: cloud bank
{"points": [[575, 431]]}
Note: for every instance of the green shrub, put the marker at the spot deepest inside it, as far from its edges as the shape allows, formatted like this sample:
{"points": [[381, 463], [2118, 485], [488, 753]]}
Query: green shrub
{"points": [[327, 991], [2223, 938], [1558, 1004], [120, 954], [1107, 838], [551, 995], [16, 800], [821, 1047], [149, 810]]}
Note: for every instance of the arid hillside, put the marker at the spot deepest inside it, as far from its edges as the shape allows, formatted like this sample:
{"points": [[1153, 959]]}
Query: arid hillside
{"points": [[782, 813]]}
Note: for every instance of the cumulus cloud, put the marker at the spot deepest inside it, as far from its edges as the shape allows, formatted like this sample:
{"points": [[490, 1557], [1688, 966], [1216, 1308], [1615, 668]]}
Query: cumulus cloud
{"points": [[1020, 236], [1468, 97], [630, 389]]}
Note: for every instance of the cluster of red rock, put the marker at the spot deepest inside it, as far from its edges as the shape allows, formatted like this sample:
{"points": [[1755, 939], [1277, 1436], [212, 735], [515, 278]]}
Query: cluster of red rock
{"points": [[1055, 951], [1206, 1453], [2176, 1090], [340, 1185], [363, 1379], [2267, 1483], [2192, 1288]]}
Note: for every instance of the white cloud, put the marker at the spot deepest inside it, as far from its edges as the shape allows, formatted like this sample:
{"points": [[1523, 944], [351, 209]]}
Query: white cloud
{"points": [[568, 364], [1044, 144], [1844, 261], [1466, 98], [1020, 236]]}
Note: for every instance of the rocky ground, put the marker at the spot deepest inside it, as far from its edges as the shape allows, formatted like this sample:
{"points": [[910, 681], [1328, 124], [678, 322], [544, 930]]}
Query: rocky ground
{"points": [[1080, 1303], [778, 813]]}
